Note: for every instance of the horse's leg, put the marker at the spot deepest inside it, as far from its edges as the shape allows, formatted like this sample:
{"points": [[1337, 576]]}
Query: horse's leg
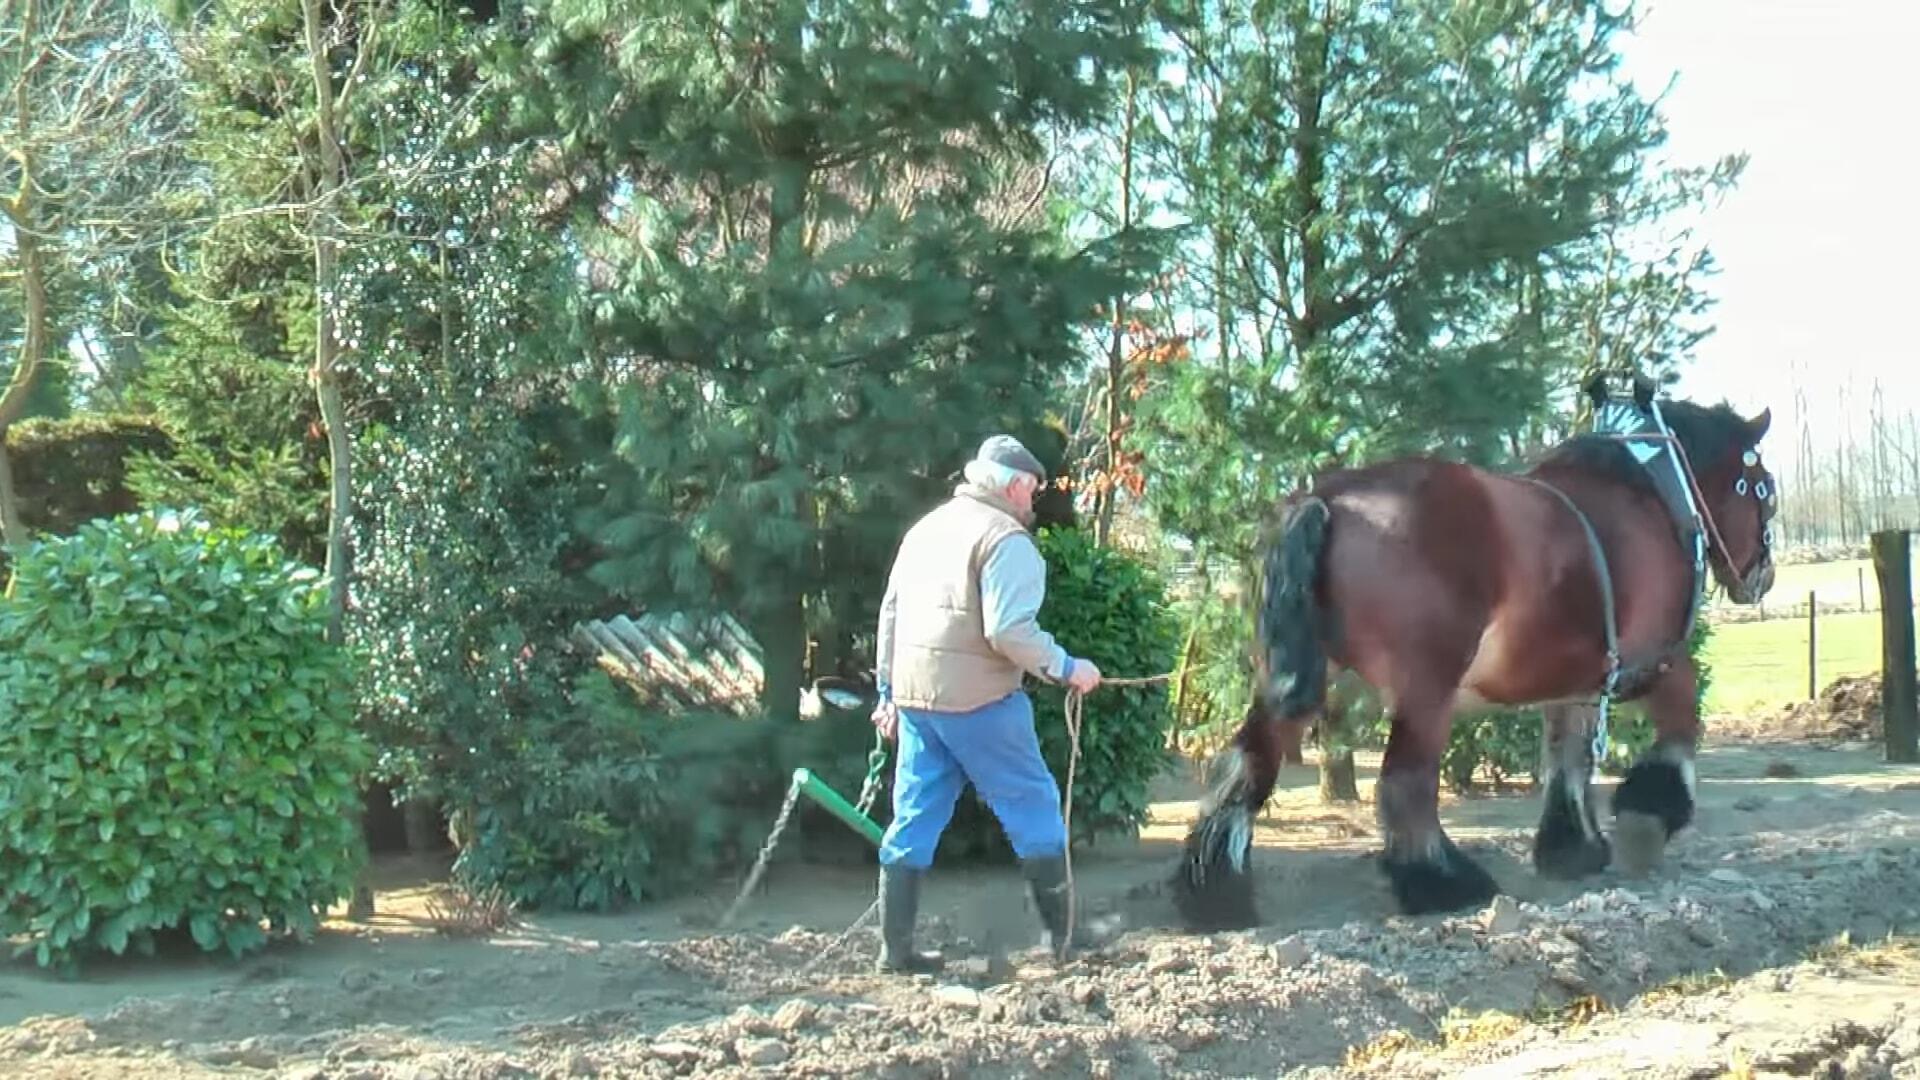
{"points": [[1288, 737], [1569, 844], [1213, 888], [1427, 871], [1656, 798]]}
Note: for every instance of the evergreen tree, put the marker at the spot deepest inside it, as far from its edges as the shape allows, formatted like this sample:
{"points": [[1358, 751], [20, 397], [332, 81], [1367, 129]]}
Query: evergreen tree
{"points": [[1409, 268], [453, 304], [1417, 229], [806, 307], [242, 334]]}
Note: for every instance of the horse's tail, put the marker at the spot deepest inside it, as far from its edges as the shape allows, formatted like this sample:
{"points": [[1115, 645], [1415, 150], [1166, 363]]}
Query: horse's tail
{"points": [[1291, 621], [1213, 889]]}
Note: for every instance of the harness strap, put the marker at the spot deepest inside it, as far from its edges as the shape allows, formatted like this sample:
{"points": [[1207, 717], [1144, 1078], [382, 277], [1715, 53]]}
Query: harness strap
{"points": [[1600, 731]]}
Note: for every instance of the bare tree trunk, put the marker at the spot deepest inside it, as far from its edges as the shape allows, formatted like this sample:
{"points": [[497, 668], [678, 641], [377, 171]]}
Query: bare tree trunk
{"points": [[1347, 698], [1116, 344], [1339, 780], [325, 375], [26, 369], [33, 283], [781, 629]]}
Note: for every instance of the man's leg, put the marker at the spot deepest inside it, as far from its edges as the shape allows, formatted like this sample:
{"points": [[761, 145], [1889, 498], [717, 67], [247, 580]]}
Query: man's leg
{"points": [[999, 750], [927, 781]]}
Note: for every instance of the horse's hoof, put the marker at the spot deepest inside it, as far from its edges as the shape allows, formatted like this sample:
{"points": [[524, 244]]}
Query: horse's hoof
{"points": [[1567, 847], [1571, 862], [1454, 883], [1640, 839], [1659, 789], [1220, 902]]}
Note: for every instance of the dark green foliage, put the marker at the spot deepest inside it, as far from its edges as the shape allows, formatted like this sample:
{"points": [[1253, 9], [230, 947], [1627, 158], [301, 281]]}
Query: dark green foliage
{"points": [[1212, 701], [1697, 643], [229, 375], [69, 472], [1107, 607], [1501, 746], [820, 290], [176, 742], [466, 501], [1496, 747], [1416, 219], [592, 803], [253, 461], [1633, 732]]}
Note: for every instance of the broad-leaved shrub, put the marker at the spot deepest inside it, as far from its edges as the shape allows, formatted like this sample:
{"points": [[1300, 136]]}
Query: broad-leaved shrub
{"points": [[1106, 606], [177, 748]]}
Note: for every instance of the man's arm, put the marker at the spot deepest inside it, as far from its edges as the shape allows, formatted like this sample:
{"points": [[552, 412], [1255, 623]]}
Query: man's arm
{"points": [[1013, 582]]}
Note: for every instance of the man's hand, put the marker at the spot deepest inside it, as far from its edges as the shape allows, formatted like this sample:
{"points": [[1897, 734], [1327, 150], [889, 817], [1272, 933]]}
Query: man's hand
{"points": [[1084, 676], [886, 720]]}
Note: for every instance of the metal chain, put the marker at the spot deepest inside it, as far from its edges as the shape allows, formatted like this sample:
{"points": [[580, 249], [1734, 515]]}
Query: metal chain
{"points": [[870, 791], [876, 767], [766, 853], [1601, 736], [845, 935]]}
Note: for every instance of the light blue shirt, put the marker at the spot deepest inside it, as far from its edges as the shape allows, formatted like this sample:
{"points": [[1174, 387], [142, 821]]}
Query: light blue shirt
{"points": [[1013, 584]]}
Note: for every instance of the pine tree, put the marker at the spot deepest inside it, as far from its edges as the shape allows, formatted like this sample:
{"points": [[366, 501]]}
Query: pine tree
{"points": [[242, 334], [807, 306], [1423, 266], [1414, 219]]}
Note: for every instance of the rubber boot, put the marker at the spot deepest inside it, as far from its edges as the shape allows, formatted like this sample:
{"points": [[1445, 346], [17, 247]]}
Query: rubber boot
{"points": [[899, 904], [1047, 878]]}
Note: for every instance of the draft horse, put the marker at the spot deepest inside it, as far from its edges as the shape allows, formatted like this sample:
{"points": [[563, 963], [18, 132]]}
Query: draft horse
{"points": [[1444, 585]]}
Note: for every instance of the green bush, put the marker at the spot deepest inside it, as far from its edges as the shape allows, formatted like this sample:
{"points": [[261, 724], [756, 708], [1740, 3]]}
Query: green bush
{"points": [[593, 802], [1107, 607], [1498, 746], [1632, 733], [1212, 701], [69, 472], [1503, 745], [176, 745]]}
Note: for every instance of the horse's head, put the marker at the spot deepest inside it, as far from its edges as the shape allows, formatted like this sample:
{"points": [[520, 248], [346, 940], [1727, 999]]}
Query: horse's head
{"points": [[1742, 497]]}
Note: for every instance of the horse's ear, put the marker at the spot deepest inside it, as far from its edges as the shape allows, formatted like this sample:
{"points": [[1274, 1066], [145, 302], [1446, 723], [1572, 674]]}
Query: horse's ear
{"points": [[1596, 389], [1757, 427]]}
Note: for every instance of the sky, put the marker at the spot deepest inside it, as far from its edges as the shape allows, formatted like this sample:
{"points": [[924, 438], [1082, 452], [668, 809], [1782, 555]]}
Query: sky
{"points": [[1817, 246]]}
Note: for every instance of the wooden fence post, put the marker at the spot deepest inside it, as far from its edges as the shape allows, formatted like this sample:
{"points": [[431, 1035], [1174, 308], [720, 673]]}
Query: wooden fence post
{"points": [[1893, 565], [1813, 645]]}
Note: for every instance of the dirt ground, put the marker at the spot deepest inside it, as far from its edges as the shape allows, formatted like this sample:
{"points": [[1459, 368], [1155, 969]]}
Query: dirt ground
{"points": [[1718, 964]]}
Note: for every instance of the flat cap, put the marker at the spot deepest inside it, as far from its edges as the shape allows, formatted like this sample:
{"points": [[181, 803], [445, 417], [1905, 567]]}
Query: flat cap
{"points": [[1007, 450]]}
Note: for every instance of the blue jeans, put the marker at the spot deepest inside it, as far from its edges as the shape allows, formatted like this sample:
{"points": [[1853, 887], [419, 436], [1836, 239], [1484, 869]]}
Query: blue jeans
{"points": [[993, 746]]}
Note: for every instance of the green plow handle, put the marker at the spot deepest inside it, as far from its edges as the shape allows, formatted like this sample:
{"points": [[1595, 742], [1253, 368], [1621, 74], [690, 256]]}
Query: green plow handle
{"points": [[814, 788]]}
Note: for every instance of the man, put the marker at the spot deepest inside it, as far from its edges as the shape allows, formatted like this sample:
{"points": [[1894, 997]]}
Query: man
{"points": [[957, 633]]}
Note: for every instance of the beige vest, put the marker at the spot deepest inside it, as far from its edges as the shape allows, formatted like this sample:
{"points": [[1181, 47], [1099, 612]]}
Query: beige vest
{"points": [[941, 658]]}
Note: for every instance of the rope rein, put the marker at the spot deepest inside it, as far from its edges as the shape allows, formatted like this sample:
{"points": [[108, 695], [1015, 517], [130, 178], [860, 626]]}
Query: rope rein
{"points": [[1074, 703], [1075, 700]]}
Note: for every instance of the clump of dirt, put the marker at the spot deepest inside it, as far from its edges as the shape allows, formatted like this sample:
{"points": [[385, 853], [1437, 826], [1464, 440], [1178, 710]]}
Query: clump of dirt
{"points": [[1755, 883], [1848, 1015], [1848, 710]]}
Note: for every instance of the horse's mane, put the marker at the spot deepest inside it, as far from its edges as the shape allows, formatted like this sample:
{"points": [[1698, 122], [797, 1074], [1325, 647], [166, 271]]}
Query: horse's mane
{"points": [[1709, 433]]}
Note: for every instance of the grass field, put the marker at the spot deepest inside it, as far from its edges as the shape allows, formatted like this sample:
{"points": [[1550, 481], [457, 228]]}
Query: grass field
{"points": [[1763, 665], [1833, 582]]}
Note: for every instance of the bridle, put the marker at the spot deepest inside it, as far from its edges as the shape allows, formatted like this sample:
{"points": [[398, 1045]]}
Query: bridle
{"points": [[1709, 528]]}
